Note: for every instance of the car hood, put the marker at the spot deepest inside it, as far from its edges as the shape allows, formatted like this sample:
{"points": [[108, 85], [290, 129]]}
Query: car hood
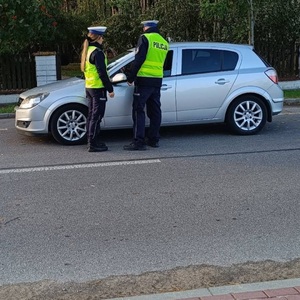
{"points": [[55, 86]]}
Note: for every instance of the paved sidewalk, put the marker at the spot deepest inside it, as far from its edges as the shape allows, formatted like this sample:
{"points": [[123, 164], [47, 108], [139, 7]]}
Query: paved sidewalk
{"points": [[288, 289], [7, 99]]}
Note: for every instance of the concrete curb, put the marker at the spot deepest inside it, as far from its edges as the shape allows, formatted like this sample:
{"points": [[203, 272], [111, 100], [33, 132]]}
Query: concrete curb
{"points": [[218, 291], [7, 116], [291, 101]]}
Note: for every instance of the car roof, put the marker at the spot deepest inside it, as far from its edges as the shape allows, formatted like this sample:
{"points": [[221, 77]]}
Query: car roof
{"points": [[211, 45]]}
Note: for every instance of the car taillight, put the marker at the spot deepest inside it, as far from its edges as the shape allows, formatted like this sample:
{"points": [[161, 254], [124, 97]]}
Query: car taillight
{"points": [[272, 74]]}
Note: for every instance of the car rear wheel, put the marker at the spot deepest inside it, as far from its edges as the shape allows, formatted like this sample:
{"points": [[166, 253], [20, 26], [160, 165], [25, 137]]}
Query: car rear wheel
{"points": [[247, 115], [68, 124]]}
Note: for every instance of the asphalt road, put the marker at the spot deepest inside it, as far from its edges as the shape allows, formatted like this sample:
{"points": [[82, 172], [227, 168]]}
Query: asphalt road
{"points": [[204, 197]]}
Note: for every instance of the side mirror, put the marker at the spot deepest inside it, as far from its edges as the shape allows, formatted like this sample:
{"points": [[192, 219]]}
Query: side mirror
{"points": [[120, 77]]}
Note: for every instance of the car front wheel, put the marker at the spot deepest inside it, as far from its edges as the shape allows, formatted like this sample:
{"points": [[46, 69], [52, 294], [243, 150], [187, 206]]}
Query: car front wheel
{"points": [[247, 115], [68, 124]]}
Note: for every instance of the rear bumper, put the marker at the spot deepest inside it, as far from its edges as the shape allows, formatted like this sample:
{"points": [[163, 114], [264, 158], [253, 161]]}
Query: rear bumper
{"points": [[277, 106]]}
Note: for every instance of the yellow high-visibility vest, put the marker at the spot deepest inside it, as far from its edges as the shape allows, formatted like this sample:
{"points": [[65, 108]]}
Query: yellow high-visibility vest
{"points": [[157, 51], [92, 79]]}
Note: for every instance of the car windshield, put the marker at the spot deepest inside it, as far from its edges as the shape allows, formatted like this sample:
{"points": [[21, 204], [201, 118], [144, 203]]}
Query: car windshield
{"points": [[118, 59]]}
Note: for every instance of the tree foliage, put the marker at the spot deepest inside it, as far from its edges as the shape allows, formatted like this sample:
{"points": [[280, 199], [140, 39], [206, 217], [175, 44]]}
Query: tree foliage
{"points": [[28, 23], [32, 25]]}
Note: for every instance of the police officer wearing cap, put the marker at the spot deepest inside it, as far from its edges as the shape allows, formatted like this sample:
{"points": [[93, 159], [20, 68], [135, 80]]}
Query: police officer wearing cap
{"points": [[147, 73], [97, 84]]}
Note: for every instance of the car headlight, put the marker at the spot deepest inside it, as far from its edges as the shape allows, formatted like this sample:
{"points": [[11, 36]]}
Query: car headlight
{"points": [[33, 100]]}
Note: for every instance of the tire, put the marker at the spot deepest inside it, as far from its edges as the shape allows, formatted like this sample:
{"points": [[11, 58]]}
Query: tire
{"points": [[247, 115], [68, 124]]}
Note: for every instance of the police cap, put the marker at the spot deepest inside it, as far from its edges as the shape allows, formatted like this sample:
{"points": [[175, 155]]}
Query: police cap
{"points": [[100, 30], [150, 23]]}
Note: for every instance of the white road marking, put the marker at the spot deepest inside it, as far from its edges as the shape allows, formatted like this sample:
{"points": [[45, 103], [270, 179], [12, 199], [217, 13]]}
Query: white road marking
{"points": [[79, 166], [3, 129]]}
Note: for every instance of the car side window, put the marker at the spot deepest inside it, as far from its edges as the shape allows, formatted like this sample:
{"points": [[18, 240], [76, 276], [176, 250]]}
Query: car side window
{"points": [[208, 60], [230, 60], [201, 61], [168, 64]]}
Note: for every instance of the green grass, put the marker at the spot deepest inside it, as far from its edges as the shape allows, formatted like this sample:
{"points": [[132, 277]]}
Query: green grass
{"points": [[71, 70], [292, 93], [7, 108]]}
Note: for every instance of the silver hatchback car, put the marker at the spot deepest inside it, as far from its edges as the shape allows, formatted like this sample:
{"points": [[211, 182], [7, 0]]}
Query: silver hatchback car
{"points": [[203, 83]]}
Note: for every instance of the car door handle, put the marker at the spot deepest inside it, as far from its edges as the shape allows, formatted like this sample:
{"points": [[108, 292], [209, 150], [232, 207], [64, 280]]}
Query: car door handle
{"points": [[221, 81], [165, 87]]}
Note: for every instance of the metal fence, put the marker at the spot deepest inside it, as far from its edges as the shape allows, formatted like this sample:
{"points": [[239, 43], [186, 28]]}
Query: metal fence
{"points": [[285, 59], [17, 73]]}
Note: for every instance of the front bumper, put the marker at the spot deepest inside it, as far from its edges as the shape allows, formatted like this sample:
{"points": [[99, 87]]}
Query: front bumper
{"points": [[31, 121]]}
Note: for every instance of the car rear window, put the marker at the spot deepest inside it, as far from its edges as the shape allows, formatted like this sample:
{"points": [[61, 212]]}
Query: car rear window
{"points": [[207, 60]]}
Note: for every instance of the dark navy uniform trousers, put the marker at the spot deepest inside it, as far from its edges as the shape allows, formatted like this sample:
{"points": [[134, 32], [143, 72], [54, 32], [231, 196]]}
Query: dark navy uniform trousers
{"points": [[149, 97], [97, 99]]}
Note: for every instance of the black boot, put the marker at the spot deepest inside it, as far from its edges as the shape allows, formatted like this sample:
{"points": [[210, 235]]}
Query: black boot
{"points": [[93, 146], [98, 139]]}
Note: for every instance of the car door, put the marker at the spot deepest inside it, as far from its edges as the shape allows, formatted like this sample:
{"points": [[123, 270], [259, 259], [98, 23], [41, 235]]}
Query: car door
{"points": [[118, 112], [119, 109], [205, 80], [168, 89]]}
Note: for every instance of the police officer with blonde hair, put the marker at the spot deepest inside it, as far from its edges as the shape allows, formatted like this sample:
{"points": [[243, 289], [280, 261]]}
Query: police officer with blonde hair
{"points": [[147, 72], [97, 85]]}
